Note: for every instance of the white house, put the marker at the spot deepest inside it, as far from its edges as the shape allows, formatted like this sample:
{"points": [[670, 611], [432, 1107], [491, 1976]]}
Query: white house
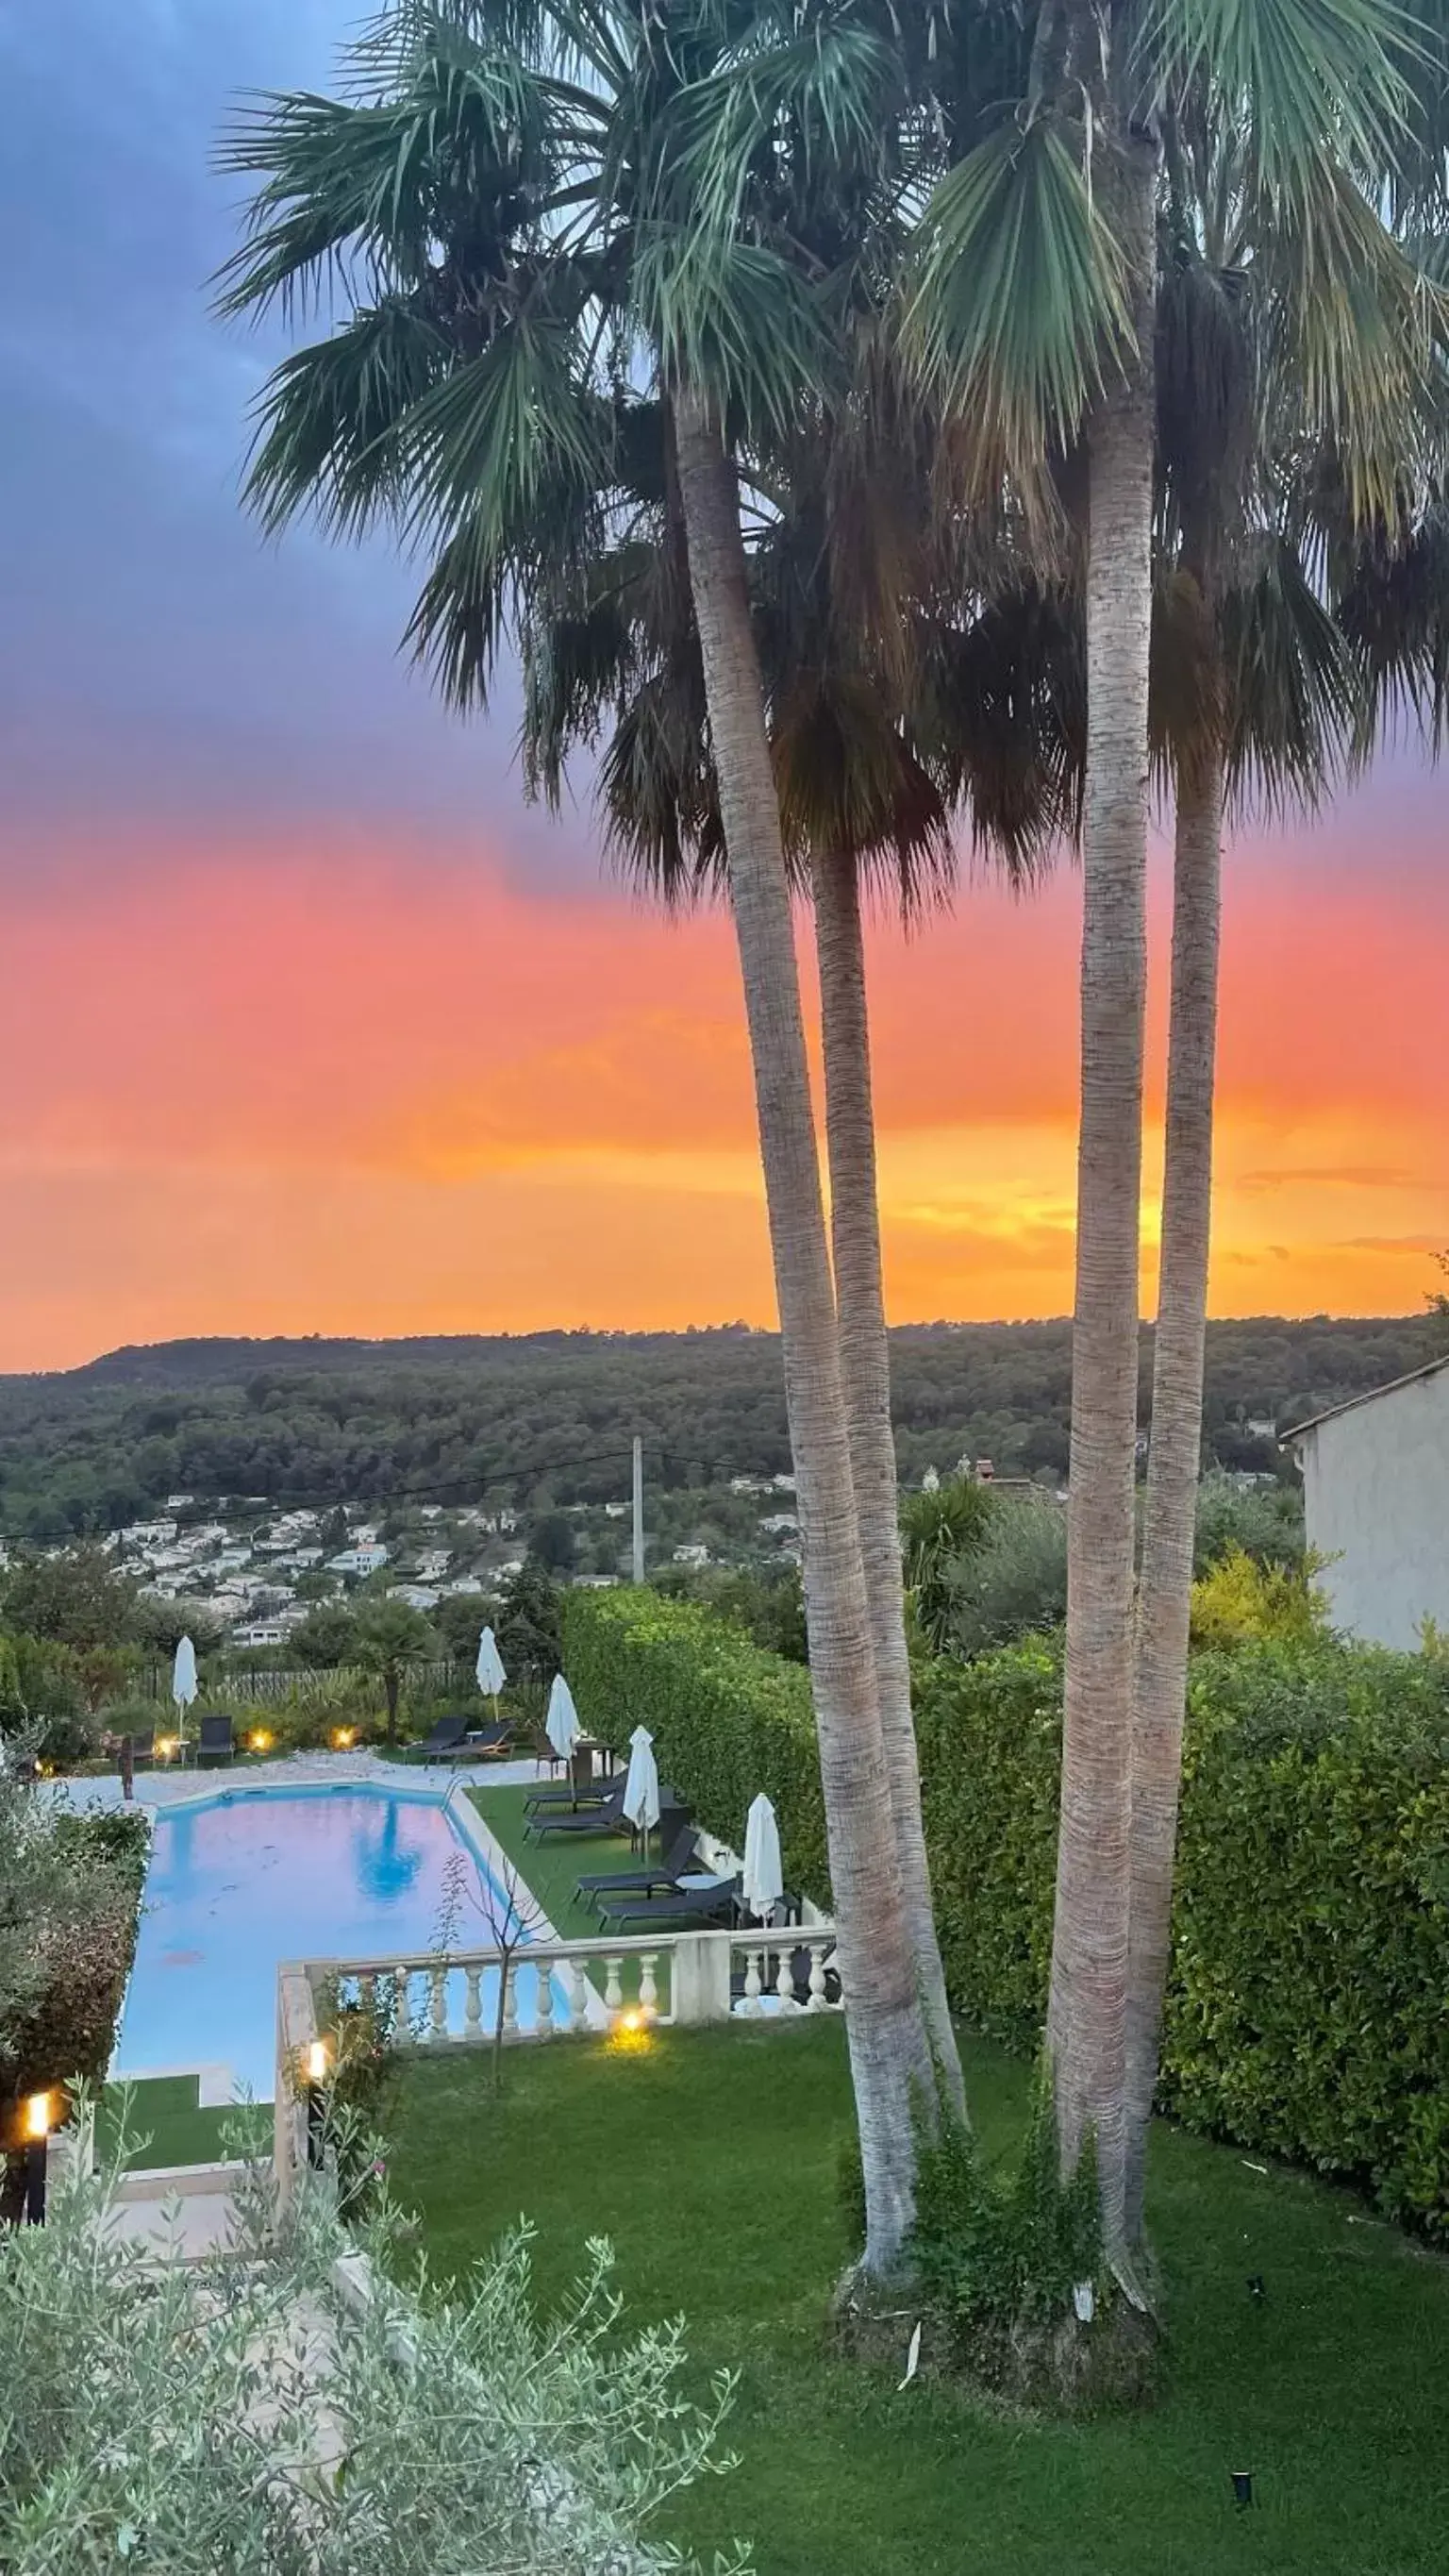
{"points": [[418, 1596], [1376, 1500], [364, 1559], [691, 1555]]}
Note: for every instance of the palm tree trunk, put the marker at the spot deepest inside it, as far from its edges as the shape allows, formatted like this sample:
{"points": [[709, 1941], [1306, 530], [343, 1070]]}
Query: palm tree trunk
{"points": [[1086, 2024], [865, 1378], [1164, 1591], [888, 2052]]}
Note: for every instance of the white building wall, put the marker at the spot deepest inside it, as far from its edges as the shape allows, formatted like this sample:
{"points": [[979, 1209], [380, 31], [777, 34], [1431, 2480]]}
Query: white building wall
{"points": [[1376, 1498]]}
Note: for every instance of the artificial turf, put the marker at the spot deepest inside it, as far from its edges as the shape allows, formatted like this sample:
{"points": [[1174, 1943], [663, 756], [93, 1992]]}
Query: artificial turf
{"points": [[165, 2124], [551, 1865], [711, 2161]]}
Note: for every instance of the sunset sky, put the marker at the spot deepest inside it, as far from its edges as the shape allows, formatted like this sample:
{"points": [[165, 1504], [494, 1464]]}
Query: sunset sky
{"points": [[309, 1024]]}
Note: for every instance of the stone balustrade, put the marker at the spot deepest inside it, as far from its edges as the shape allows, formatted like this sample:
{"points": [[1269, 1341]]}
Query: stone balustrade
{"points": [[549, 1990]]}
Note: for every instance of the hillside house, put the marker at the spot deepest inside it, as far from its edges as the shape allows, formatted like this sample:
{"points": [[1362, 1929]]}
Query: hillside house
{"points": [[1376, 1502]]}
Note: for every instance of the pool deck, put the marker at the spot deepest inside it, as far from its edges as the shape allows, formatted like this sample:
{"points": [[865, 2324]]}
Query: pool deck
{"points": [[167, 1788]]}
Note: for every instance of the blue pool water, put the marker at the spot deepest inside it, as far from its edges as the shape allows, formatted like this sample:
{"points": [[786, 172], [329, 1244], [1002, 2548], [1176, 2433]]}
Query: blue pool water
{"points": [[253, 1877]]}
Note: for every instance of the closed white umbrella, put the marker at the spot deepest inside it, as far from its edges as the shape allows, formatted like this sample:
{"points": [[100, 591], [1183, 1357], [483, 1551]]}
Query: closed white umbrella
{"points": [[489, 1667], [764, 1878], [561, 1725], [641, 1785], [183, 1684]]}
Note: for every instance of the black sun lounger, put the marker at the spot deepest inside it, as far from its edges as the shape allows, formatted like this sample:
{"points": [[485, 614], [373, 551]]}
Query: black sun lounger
{"points": [[679, 1855]]}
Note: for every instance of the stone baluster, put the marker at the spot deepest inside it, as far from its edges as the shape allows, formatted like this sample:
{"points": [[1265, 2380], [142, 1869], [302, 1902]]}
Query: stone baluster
{"points": [[817, 1977], [648, 1983], [510, 1999], [402, 2026], [473, 2006], [785, 1978], [543, 2008], [753, 1982], [613, 1984], [576, 1977], [367, 1993], [437, 2006]]}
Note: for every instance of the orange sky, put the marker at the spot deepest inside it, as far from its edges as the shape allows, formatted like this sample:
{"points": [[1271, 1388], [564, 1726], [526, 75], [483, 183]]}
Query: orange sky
{"points": [[303, 1089]]}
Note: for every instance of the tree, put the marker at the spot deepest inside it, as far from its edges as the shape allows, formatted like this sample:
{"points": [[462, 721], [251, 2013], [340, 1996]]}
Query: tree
{"points": [[500, 453], [1037, 304], [74, 1597], [391, 1638], [328, 1635], [1437, 1302], [527, 1625], [552, 1540]]}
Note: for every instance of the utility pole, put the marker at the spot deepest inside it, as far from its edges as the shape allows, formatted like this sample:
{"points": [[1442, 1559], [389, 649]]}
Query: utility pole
{"points": [[638, 1509]]}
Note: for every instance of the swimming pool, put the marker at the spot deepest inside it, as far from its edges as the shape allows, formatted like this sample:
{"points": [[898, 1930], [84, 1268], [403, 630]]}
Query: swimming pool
{"points": [[241, 1881]]}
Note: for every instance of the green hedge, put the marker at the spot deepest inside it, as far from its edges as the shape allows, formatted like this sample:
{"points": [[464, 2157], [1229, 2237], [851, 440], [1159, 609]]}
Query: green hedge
{"points": [[1306, 2012]]}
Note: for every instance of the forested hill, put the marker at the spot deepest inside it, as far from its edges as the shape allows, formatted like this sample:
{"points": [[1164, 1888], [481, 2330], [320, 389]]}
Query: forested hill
{"points": [[544, 1417]]}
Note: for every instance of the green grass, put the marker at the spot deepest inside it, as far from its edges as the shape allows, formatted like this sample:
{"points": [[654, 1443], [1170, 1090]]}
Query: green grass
{"points": [[552, 1867], [166, 2124], [711, 2161]]}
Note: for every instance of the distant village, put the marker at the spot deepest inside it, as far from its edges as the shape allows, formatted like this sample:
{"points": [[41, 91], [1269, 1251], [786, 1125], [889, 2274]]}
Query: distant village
{"points": [[259, 1572]]}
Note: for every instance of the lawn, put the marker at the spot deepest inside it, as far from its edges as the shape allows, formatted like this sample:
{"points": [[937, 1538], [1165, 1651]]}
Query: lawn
{"points": [[711, 2162], [552, 1867]]}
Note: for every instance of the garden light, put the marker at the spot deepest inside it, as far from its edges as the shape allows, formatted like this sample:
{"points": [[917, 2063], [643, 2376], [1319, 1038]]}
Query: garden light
{"points": [[343, 1737], [165, 1746], [1242, 2486], [630, 2031], [259, 1741], [37, 2131], [316, 2107]]}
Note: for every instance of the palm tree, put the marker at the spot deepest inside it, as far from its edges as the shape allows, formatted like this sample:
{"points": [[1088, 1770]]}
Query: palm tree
{"points": [[391, 1638], [1276, 707], [511, 239], [1036, 309]]}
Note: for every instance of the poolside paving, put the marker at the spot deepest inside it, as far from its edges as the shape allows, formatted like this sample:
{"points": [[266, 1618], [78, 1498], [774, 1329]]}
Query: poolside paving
{"points": [[164, 1787]]}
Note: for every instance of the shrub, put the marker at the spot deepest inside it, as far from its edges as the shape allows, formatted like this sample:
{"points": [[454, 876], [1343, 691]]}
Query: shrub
{"points": [[251, 2416], [1265, 1521], [1311, 1921], [1014, 1581], [70, 1889], [942, 1527], [1240, 1598]]}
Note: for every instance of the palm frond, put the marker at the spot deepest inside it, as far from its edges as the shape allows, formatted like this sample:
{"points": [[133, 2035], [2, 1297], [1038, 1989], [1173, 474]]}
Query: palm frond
{"points": [[330, 417], [1306, 77], [1019, 306], [1294, 703]]}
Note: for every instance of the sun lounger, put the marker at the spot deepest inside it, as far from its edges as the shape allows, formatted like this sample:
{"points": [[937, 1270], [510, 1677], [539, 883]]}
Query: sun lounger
{"points": [[712, 1902], [486, 1743], [605, 1818], [446, 1736], [679, 1853], [597, 1794], [215, 1741]]}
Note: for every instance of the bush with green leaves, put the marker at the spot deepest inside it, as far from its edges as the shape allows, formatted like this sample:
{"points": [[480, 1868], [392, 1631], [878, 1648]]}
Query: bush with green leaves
{"points": [[1013, 1581], [1002, 2247], [294, 2414], [1264, 1520], [70, 1890], [1305, 2009], [942, 1527]]}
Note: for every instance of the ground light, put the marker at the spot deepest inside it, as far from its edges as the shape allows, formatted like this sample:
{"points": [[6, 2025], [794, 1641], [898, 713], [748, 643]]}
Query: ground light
{"points": [[259, 1741], [1242, 2486], [165, 1746], [343, 1738], [37, 2133], [631, 2032], [316, 2098]]}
